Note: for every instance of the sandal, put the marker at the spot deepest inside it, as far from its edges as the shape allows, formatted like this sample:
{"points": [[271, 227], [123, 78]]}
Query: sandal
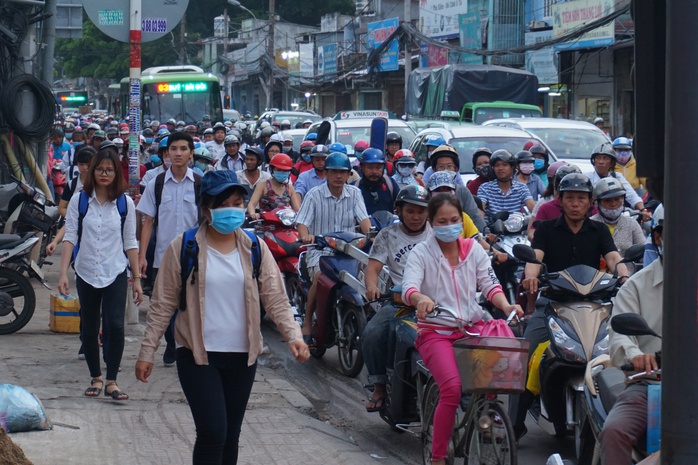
{"points": [[309, 340], [377, 404], [115, 394], [93, 391]]}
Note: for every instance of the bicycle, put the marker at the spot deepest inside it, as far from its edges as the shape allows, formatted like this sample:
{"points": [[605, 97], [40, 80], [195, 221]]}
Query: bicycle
{"points": [[482, 433]]}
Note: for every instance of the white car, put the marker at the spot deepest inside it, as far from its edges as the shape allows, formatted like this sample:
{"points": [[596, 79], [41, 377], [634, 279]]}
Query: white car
{"points": [[569, 140], [348, 131], [467, 138]]}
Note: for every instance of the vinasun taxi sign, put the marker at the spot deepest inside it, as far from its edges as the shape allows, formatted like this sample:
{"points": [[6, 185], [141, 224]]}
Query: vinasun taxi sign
{"points": [[362, 114]]}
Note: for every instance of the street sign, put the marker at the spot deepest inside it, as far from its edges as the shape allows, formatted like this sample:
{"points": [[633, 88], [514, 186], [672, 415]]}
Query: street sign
{"points": [[69, 19], [157, 18]]}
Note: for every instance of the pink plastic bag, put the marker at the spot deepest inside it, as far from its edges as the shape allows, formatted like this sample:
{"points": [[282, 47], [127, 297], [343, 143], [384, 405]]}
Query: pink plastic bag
{"points": [[496, 328]]}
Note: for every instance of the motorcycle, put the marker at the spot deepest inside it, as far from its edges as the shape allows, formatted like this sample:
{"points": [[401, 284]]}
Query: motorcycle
{"points": [[339, 318], [603, 384], [577, 304], [30, 211], [17, 296], [277, 229]]}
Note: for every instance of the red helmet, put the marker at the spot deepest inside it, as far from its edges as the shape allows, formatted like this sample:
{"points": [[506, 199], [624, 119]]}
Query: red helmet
{"points": [[360, 145], [403, 153], [307, 145], [282, 161]]}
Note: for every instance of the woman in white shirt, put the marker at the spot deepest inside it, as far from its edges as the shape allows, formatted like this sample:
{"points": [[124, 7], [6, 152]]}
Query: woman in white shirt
{"points": [[106, 241], [217, 329]]}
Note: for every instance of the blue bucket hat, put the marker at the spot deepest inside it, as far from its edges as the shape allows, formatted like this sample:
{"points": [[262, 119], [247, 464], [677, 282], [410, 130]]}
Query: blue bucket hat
{"points": [[215, 182]]}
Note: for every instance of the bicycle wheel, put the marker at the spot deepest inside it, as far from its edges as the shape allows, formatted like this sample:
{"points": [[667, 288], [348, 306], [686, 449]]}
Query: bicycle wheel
{"points": [[490, 439]]}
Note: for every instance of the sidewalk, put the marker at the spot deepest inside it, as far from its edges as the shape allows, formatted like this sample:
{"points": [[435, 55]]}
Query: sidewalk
{"points": [[155, 425]]}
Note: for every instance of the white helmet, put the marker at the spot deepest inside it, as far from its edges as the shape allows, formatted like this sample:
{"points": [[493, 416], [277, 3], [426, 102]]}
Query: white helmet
{"points": [[264, 124], [598, 120], [276, 137]]}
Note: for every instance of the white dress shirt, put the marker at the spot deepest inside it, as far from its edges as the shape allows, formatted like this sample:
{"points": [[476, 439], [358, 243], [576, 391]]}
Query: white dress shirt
{"points": [[101, 257], [178, 210]]}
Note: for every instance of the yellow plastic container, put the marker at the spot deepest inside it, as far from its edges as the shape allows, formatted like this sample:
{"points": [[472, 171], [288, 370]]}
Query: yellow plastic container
{"points": [[64, 314]]}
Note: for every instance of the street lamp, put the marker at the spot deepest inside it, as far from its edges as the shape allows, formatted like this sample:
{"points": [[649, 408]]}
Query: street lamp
{"points": [[241, 6], [307, 100]]}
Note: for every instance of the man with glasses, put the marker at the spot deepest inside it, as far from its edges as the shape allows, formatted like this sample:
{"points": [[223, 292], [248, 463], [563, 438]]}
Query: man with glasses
{"points": [[379, 190], [330, 207]]}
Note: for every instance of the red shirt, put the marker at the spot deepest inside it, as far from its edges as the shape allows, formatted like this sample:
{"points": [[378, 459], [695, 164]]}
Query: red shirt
{"points": [[124, 169], [299, 168], [474, 184]]}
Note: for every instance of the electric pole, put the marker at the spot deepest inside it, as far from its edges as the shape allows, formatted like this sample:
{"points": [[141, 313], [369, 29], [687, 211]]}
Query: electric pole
{"points": [[270, 51]]}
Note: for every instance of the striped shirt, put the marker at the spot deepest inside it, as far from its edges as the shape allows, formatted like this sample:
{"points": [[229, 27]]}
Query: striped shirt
{"points": [[323, 213], [497, 201]]}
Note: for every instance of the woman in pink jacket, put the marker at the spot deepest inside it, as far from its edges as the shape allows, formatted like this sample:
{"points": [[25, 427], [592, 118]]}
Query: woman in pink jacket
{"points": [[456, 268]]}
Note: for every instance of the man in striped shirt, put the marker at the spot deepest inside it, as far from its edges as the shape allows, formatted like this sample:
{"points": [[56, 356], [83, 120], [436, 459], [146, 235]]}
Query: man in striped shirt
{"points": [[330, 207], [504, 193]]}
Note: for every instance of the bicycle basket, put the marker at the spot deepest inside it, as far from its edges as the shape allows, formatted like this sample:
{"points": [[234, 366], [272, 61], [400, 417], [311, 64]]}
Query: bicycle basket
{"points": [[492, 364]]}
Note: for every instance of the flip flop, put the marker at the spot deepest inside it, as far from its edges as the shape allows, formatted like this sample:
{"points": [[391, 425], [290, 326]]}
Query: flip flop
{"points": [[377, 404]]}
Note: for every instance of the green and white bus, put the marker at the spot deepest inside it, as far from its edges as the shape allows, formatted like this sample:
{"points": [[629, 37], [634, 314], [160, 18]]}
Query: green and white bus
{"points": [[185, 93]]}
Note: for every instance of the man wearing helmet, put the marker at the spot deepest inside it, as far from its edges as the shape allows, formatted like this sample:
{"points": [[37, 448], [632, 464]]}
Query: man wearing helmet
{"points": [[504, 193], [304, 163], [377, 188], [393, 143], [525, 162], [600, 123], [431, 144], [390, 248], [217, 145], [288, 147], [609, 195], [232, 159], [208, 135], [571, 239], [253, 172], [315, 176], [203, 161], [626, 164], [604, 159], [332, 206], [285, 124]]}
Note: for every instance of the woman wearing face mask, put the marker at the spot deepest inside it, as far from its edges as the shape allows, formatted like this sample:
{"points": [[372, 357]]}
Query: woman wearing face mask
{"points": [[405, 166], [525, 165], [481, 166], [203, 161], [277, 191], [540, 162], [610, 196], [456, 268], [218, 326]]}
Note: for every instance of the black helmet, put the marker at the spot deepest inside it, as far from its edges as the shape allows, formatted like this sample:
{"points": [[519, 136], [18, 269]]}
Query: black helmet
{"points": [[393, 136], [608, 188], [416, 195], [319, 150], [564, 171], [444, 151], [604, 149], [576, 182], [538, 149], [219, 127], [257, 151], [523, 156], [479, 152], [502, 155]]}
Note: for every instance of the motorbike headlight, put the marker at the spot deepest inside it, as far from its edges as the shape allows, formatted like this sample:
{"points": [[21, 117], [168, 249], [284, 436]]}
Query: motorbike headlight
{"points": [[514, 223], [39, 198], [602, 343], [570, 349], [287, 216]]}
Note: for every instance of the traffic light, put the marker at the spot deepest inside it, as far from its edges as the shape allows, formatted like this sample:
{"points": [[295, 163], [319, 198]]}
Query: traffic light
{"points": [[226, 102]]}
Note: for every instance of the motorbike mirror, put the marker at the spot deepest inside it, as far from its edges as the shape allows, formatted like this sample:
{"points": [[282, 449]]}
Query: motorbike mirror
{"points": [[525, 253], [501, 216], [631, 324], [497, 227], [634, 253]]}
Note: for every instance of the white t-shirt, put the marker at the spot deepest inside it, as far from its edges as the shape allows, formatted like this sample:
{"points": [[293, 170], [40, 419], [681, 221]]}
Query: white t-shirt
{"points": [[392, 246], [225, 317]]}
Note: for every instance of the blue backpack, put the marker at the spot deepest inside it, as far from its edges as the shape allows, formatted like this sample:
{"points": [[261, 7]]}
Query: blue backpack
{"points": [[189, 260], [84, 204]]}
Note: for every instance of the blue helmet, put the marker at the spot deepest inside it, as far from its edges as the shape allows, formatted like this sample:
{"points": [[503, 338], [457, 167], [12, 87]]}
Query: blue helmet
{"points": [[435, 141], [622, 143], [372, 155], [163, 132], [337, 161], [311, 136], [163, 143], [337, 147]]}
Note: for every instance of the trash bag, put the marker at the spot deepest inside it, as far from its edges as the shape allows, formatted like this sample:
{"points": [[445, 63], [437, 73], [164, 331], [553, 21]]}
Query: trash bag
{"points": [[20, 410]]}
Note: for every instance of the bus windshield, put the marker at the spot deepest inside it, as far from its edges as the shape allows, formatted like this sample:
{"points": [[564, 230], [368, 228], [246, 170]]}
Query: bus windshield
{"points": [[189, 107]]}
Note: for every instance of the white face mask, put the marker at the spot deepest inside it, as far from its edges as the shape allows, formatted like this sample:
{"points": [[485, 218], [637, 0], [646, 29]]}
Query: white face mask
{"points": [[611, 215], [526, 168], [404, 171]]}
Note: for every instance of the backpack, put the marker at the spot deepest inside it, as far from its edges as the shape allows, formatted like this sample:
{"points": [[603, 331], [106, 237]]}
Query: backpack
{"points": [[83, 205], [160, 183], [189, 260], [388, 180]]}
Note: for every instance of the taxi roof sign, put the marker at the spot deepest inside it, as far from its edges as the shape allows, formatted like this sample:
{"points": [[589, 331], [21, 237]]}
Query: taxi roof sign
{"points": [[364, 114]]}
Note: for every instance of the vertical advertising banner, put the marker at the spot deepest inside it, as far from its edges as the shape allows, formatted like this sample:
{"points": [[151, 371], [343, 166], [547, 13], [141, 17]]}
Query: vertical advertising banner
{"points": [[376, 34], [572, 16], [307, 62], [543, 62], [439, 18], [327, 60], [470, 33]]}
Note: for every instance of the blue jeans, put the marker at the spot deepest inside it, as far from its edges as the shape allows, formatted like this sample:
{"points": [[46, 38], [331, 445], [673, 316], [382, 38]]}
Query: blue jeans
{"points": [[374, 344], [112, 300], [217, 394]]}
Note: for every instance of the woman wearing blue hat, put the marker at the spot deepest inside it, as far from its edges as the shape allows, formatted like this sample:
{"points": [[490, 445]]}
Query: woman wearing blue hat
{"points": [[217, 329]]}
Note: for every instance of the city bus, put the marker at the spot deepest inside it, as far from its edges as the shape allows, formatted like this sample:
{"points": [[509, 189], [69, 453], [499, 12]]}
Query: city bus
{"points": [[184, 93]]}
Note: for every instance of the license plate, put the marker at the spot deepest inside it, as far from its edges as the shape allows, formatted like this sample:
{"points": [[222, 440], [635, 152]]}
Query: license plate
{"points": [[37, 270]]}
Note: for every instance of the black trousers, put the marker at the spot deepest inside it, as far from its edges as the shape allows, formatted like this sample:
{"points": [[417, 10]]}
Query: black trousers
{"points": [[217, 394]]}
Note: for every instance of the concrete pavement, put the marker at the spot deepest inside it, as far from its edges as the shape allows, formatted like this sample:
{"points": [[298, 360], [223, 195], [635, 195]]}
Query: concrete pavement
{"points": [[155, 425]]}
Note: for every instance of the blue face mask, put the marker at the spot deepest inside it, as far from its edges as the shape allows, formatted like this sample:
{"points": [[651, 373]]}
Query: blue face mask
{"points": [[201, 165], [306, 157], [538, 164], [225, 220], [448, 233], [69, 135], [281, 176], [148, 140]]}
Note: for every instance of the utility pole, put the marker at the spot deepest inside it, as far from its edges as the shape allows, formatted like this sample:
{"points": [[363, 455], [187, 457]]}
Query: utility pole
{"points": [[49, 34], [408, 45], [183, 40], [270, 51]]}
